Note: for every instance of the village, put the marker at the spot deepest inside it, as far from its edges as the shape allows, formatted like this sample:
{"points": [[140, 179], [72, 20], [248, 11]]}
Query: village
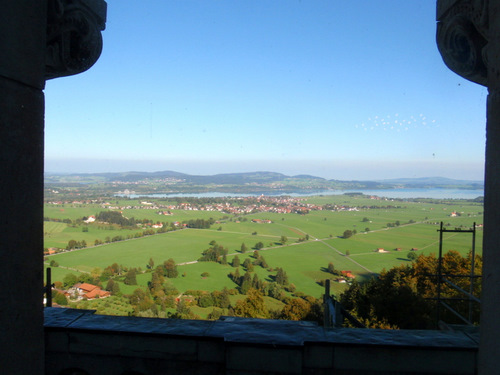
{"points": [[227, 205]]}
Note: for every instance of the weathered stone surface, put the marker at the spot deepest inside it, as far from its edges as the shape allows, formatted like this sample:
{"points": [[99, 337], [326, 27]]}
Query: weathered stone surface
{"points": [[240, 346], [22, 27], [401, 360], [21, 223], [74, 41], [462, 31]]}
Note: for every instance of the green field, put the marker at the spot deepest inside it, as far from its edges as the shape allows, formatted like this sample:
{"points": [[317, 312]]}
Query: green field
{"points": [[304, 262]]}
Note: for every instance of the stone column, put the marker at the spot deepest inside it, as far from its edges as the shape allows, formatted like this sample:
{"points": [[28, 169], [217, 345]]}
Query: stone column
{"points": [[489, 347], [39, 40], [469, 41], [22, 69]]}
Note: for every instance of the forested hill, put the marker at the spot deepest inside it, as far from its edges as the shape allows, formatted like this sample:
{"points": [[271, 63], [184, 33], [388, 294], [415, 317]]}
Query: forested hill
{"points": [[263, 179]]}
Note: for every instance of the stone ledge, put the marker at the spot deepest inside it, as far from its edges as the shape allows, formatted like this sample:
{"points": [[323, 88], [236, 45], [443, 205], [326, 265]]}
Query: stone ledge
{"points": [[111, 345]]}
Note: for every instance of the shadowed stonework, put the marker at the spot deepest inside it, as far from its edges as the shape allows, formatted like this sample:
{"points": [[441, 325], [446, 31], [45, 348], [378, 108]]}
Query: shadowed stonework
{"points": [[74, 45], [113, 345]]}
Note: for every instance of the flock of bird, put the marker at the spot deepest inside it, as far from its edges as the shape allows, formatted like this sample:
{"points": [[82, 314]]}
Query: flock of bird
{"points": [[395, 123]]}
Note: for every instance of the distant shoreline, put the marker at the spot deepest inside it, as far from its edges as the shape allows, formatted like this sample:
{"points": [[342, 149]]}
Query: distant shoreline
{"points": [[402, 193]]}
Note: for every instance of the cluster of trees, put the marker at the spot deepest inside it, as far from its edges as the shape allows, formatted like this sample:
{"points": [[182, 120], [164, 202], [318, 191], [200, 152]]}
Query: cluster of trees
{"points": [[113, 287], [253, 306], [200, 223], [349, 233], [216, 298], [113, 270], [71, 279], [403, 297], [259, 260], [303, 239], [160, 294], [275, 289], [248, 264], [115, 217], [66, 221], [169, 269], [131, 277], [259, 246], [72, 244], [215, 253], [395, 224]]}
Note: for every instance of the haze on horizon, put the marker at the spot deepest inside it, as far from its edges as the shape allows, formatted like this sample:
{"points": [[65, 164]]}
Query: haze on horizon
{"points": [[350, 91], [351, 171]]}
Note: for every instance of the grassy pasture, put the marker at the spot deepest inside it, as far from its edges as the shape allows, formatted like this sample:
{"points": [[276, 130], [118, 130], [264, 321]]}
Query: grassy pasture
{"points": [[304, 262], [61, 233], [177, 215], [183, 246], [70, 211], [52, 228]]}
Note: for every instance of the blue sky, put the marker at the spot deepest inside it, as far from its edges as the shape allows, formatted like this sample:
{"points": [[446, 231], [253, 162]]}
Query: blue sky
{"points": [[337, 89]]}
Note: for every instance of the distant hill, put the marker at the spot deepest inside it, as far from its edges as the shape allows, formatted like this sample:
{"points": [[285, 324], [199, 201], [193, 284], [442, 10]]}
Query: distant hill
{"points": [[431, 182], [259, 178]]}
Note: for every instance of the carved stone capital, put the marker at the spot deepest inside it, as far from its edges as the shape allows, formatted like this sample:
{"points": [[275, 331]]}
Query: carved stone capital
{"points": [[74, 40], [462, 37]]}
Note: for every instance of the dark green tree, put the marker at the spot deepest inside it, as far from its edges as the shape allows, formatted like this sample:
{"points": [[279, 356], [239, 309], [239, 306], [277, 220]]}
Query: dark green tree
{"points": [[170, 269], [331, 268], [59, 298], [243, 248], [236, 261], [246, 283], [252, 307], [151, 263], [130, 277], [113, 287], [347, 233], [281, 277], [69, 280]]}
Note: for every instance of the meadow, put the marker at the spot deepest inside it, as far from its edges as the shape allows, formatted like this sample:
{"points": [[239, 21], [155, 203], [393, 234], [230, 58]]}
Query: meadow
{"points": [[305, 262]]}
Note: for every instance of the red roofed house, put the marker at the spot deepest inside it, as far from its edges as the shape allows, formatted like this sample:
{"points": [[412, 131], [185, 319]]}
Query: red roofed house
{"points": [[348, 274], [90, 291]]}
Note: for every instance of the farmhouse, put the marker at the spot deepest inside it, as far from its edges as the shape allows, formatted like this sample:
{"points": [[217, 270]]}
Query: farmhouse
{"points": [[261, 221], [87, 291], [347, 274], [90, 219]]}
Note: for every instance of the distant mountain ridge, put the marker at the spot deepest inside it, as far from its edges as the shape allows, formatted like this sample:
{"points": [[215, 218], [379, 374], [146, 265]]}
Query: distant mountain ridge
{"points": [[430, 181], [258, 177]]}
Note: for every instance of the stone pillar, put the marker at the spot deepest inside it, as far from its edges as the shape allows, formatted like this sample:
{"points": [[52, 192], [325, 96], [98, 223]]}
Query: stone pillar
{"points": [[489, 347], [39, 40], [22, 69], [468, 38]]}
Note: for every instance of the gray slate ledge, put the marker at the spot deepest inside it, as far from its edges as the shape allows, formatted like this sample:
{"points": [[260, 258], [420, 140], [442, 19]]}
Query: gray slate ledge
{"points": [[256, 331]]}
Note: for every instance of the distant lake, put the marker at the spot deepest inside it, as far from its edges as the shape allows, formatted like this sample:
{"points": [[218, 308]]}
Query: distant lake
{"points": [[388, 193]]}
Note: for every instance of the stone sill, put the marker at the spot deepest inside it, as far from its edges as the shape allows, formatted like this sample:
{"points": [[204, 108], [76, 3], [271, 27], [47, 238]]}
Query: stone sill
{"points": [[248, 346]]}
